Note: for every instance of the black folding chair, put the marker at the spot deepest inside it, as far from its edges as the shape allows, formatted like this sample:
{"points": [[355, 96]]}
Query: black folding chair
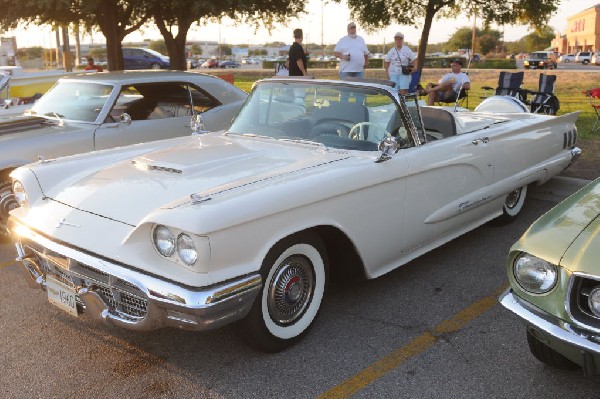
{"points": [[462, 98], [509, 84], [544, 101]]}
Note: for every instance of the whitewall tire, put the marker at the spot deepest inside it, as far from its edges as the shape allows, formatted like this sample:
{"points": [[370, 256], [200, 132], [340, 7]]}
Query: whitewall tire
{"points": [[513, 205], [294, 282]]}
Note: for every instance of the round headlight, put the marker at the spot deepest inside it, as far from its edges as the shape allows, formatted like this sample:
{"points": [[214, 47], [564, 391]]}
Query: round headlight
{"points": [[534, 274], [20, 194], [594, 301], [164, 241], [186, 249]]}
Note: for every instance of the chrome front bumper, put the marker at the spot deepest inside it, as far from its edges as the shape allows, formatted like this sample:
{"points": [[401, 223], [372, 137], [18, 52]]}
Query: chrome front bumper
{"points": [[580, 346], [121, 296]]}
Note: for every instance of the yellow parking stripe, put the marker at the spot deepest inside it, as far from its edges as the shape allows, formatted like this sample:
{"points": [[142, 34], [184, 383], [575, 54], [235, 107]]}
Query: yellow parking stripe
{"points": [[6, 264], [418, 345]]}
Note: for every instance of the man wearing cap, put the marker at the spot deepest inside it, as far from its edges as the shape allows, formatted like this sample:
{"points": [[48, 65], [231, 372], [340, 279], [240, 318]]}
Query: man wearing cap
{"points": [[399, 63], [449, 86], [353, 54]]}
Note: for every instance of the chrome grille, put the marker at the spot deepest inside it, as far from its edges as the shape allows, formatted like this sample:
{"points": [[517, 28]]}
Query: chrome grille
{"points": [[121, 297], [581, 287]]}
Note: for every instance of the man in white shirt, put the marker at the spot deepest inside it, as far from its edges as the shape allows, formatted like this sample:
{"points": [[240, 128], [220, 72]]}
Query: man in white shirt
{"points": [[353, 54], [449, 86]]}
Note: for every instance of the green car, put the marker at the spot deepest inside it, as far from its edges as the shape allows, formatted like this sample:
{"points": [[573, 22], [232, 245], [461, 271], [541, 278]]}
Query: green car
{"points": [[554, 274]]}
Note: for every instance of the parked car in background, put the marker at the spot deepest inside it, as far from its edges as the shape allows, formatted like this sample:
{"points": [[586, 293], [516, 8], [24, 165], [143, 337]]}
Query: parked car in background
{"points": [[584, 57], [540, 60], [554, 274], [144, 58], [566, 58], [251, 223], [229, 64], [595, 58], [210, 63], [89, 112]]}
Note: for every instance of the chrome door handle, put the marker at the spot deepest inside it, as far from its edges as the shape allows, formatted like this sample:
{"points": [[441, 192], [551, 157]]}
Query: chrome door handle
{"points": [[483, 140]]}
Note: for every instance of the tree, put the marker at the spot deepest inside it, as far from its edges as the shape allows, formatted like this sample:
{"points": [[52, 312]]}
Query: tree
{"points": [[537, 40], [175, 17], [377, 14], [158, 45], [485, 41], [115, 18], [30, 53]]}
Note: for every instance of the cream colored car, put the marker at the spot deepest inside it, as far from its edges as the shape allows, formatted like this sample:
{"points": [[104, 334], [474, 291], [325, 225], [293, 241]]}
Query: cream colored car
{"points": [[313, 180], [97, 111]]}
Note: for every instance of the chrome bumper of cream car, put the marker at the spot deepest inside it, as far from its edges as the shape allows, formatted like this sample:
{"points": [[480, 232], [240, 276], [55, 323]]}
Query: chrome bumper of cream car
{"points": [[580, 346], [132, 299]]}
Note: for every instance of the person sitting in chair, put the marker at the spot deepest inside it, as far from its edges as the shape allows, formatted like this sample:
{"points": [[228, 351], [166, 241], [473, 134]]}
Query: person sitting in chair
{"points": [[449, 86]]}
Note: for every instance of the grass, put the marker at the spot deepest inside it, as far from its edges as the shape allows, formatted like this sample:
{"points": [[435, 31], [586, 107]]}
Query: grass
{"points": [[568, 89]]}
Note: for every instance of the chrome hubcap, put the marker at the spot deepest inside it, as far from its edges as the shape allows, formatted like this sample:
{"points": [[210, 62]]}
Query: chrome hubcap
{"points": [[512, 199], [290, 289]]}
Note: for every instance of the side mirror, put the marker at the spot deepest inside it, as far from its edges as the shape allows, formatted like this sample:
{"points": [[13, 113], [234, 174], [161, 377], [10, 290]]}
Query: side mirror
{"points": [[125, 119], [388, 147]]}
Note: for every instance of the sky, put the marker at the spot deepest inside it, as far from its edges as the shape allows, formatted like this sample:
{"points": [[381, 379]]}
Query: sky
{"points": [[332, 17]]}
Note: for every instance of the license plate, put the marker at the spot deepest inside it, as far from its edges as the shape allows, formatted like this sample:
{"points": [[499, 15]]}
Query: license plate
{"points": [[61, 295]]}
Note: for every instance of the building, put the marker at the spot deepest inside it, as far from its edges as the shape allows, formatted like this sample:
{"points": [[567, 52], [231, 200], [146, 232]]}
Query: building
{"points": [[583, 32], [8, 51]]}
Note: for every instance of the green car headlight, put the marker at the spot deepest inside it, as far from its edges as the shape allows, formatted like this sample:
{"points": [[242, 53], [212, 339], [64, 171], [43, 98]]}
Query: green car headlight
{"points": [[594, 301], [533, 274], [164, 241]]}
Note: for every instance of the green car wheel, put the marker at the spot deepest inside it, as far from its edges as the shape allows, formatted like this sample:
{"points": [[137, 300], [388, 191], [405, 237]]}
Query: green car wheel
{"points": [[547, 355]]}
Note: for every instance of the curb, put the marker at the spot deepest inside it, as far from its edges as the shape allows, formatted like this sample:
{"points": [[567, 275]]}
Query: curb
{"points": [[557, 188]]}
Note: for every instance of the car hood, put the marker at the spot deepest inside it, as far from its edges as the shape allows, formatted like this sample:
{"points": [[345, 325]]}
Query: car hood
{"points": [[208, 166], [568, 231]]}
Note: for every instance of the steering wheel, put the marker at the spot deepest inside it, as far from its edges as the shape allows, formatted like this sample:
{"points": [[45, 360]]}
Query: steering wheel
{"points": [[376, 133], [330, 128]]}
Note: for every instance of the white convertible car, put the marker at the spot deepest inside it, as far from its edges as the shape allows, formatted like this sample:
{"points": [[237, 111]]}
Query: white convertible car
{"points": [[87, 112], [314, 180]]}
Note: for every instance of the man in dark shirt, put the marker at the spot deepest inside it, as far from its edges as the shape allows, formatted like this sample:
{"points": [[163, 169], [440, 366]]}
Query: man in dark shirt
{"points": [[297, 57]]}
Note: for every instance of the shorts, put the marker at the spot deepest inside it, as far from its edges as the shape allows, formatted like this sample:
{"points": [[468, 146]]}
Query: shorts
{"points": [[402, 81], [446, 96]]}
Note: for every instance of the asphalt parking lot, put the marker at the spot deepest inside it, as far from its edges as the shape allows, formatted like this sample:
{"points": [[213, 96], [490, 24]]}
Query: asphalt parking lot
{"points": [[431, 329]]}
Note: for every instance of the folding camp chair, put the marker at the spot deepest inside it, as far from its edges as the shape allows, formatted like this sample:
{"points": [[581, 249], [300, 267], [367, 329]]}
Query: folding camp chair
{"points": [[594, 96], [460, 100], [509, 84], [544, 101], [414, 86]]}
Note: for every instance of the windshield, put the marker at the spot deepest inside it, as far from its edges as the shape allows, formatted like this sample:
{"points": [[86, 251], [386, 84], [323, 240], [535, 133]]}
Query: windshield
{"points": [[76, 101], [336, 115], [539, 56], [154, 53]]}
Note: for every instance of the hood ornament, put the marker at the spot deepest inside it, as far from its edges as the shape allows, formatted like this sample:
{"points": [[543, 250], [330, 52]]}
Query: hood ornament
{"points": [[63, 222]]}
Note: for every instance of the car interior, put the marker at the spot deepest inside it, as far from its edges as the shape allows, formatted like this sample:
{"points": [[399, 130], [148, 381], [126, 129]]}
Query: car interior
{"points": [[160, 100]]}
